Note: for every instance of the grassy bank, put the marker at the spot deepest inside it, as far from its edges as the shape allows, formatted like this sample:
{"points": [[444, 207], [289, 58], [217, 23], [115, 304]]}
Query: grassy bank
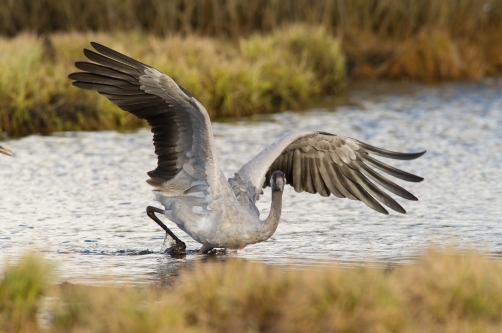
{"points": [[237, 57], [438, 293], [425, 40], [259, 74]]}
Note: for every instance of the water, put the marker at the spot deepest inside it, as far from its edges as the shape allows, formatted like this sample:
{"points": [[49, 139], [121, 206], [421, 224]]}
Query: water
{"points": [[80, 198]]}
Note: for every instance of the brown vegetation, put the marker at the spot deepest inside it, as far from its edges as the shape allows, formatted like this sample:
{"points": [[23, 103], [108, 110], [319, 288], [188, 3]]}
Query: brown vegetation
{"points": [[425, 40], [438, 293], [234, 19], [259, 74], [237, 57]]}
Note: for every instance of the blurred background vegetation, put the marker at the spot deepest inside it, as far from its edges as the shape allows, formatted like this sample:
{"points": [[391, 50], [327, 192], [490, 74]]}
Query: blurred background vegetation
{"points": [[237, 57], [439, 292]]}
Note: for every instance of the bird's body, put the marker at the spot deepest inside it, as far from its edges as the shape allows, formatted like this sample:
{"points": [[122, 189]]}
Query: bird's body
{"points": [[188, 182], [225, 224]]}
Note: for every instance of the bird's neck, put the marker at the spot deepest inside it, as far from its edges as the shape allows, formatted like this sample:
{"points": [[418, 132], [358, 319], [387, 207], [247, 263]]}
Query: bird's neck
{"points": [[272, 221]]}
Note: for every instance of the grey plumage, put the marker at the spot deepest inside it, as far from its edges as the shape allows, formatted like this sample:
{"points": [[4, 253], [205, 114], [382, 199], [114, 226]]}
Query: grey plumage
{"points": [[173, 116], [188, 180], [327, 164]]}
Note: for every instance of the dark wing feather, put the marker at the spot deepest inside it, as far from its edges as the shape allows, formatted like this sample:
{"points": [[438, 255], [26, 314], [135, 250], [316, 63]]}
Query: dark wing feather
{"points": [[329, 164], [170, 110]]}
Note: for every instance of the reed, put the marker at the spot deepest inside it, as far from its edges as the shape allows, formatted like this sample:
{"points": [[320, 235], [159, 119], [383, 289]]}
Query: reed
{"points": [[260, 74], [439, 292], [237, 57], [229, 18], [425, 40]]}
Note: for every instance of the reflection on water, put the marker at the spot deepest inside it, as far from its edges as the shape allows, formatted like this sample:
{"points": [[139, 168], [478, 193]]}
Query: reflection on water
{"points": [[80, 198]]}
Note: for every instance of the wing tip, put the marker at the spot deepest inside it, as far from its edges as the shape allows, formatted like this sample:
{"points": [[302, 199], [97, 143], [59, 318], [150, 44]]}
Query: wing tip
{"points": [[385, 212], [417, 179], [84, 85], [88, 53], [388, 153], [418, 154], [102, 49], [94, 44], [412, 156], [402, 210], [98, 46]]}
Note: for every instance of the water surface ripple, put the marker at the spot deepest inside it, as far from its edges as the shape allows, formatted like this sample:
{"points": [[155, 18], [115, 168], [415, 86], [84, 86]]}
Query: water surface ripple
{"points": [[80, 198]]}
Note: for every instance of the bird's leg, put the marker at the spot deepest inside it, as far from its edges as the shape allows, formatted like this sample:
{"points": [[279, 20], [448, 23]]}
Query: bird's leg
{"points": [[150, 211], [205, 249], [180, 247]]}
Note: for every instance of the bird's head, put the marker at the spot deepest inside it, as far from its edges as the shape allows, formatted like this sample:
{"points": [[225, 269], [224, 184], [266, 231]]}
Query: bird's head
{"points": [[277, 181]]}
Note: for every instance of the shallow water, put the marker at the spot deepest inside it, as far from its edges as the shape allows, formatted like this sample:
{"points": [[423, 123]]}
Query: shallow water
{"points": [[80, 198]]}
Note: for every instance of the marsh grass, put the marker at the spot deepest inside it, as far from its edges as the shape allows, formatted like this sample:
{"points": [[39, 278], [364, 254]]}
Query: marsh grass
{"points": [[425, 40], [439, 292], [21, 287], [260, 74], [237, 57], [234, 19]]}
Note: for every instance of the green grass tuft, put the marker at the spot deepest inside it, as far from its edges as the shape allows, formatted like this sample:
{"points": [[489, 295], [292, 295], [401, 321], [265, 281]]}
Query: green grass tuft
{"points": [[21, 288]]}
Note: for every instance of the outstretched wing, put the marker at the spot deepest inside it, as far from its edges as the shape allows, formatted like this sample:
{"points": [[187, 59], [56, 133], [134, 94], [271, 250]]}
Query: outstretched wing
{"points": [[324, 163], [181, 127]]}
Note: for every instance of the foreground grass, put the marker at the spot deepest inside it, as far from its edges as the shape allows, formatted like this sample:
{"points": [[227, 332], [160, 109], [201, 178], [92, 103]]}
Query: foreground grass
{"points": [[259, 74], [438, 293]]}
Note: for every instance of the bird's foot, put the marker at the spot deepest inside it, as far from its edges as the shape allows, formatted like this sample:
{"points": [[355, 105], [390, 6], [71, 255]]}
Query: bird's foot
{"points": [[178, 250], [211, 251], [205, 249]]}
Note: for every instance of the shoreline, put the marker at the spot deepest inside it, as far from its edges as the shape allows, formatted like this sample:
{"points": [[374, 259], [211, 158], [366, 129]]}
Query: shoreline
{"points": [[288, 69], [261, 74]]}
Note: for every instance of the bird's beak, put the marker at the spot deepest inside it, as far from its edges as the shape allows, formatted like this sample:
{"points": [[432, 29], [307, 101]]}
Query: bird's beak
{"points": [[280, 183], [6, 151]]}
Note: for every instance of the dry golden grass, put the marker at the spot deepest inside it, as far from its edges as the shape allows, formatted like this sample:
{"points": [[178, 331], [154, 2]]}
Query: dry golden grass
{"points": [[430, 56], [425, 40], [237, 57], [229, 18], [438, 293], [260, 74]]}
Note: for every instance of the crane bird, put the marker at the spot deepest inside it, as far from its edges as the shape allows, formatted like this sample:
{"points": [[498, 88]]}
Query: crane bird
{"points": [[6, 151], [188, 182]]}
